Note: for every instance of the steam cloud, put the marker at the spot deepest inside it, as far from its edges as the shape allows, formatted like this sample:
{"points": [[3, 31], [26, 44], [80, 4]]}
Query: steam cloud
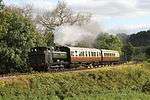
{"points": [[71, 35]]}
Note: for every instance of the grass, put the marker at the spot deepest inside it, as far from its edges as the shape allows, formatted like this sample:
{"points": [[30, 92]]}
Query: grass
{"points": [[126, 95], [121, 83]]}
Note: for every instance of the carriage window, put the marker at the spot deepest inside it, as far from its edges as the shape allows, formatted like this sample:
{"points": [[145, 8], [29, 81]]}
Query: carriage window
{"points": [[106, 54], [83, 53], [76, 53], [86, 53], [89, 54], [72, 53], [94, 53], [80, 53], [97, 54]]}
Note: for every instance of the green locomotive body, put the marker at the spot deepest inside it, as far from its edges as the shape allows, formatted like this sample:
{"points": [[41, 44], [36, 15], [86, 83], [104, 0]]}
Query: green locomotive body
{"points": [[41, 58]]}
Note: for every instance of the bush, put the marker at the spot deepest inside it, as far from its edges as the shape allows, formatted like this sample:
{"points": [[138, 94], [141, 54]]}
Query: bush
{"points": [[17, 36], [74, 84], [147, 64]]}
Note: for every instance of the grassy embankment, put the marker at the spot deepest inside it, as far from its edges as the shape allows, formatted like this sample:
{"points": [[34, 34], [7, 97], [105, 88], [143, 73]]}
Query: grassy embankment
{"points": [[126, 82]]}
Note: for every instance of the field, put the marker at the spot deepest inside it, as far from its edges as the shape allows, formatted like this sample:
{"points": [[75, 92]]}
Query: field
{"points": [[124, 82]]}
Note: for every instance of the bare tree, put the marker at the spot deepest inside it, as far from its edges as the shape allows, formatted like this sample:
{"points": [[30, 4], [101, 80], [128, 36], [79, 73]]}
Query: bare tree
{"points": [[80, 18], [26, 11], [62, 15]]}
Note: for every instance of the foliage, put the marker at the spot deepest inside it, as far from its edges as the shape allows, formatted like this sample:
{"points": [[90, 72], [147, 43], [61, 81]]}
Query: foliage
{"points": [[105, 83], [147, 64], [17, 35], [147, 51], [124, 38], [1, 5], [121, 95], [106, 41], [141, 38], [128, 50], [25, 11], [135, 46], [138, 55], [49, 39]]}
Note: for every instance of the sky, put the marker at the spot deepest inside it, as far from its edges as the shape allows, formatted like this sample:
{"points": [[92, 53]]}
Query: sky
{"points": [[116, 16]]}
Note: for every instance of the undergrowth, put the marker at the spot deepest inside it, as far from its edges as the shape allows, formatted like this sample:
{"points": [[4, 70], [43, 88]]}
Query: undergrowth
{"points": [[106, 83]]}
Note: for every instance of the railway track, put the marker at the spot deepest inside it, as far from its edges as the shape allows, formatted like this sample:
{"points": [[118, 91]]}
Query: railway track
{"points": [[7, 76]]}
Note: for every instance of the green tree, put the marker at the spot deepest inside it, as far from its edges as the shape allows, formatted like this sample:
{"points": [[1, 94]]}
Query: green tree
{"points": [[106, 41], [140, 39], [138, 54], [49, 39], [17, 36], [147, 51], [1, 5], [128, 51], [123, 37]]}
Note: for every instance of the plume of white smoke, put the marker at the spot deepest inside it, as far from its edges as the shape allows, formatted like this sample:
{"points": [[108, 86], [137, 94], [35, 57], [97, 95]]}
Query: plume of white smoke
{"points": [[71, 35]]}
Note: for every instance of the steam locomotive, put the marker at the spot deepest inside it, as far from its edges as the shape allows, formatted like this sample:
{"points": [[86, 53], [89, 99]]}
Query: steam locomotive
{"points": [[44, 58]]}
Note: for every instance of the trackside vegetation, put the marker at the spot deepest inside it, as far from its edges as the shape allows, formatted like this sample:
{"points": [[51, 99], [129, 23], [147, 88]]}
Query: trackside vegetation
{"points": [[110, 83], [22, 29]]}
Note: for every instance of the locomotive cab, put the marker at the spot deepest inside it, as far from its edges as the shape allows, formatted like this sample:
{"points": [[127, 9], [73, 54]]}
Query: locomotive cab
{"points": [[40, 58]]}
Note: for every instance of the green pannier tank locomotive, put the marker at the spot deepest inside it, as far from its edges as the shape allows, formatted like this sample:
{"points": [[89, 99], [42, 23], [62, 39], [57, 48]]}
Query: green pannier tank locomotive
{"points": [[42, 58]]}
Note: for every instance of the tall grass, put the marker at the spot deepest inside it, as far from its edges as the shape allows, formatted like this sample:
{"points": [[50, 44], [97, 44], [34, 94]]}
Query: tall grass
{"points": [[147, 64], [103, 83], [126, 95]]}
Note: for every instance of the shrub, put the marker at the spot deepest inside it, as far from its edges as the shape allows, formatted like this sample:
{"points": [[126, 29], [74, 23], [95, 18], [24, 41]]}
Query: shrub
{"points": [[74, 84]]}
